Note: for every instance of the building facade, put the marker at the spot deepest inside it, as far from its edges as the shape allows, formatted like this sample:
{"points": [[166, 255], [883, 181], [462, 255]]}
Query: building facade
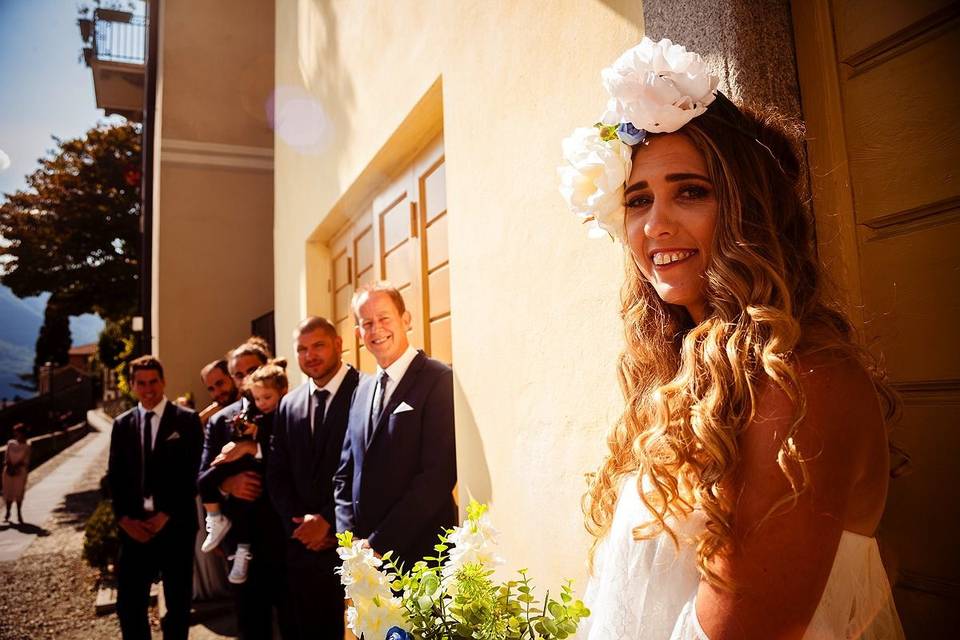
{"points": [[212, 270]]}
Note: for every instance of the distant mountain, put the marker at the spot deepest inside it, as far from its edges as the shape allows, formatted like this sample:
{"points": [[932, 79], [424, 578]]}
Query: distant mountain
{"points": [[20, 321], [14, 360]]}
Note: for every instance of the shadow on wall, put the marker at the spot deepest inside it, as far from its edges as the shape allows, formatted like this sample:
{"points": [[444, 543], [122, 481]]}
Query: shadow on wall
{"points": [[473, 474]]}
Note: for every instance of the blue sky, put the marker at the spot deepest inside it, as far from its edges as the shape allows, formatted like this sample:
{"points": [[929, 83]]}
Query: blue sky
{"points": [[44, 90]]}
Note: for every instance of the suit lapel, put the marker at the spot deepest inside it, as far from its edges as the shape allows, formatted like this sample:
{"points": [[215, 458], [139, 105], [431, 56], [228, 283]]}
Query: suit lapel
{"points": [[303, 428], [398, 394], [362, 406]]}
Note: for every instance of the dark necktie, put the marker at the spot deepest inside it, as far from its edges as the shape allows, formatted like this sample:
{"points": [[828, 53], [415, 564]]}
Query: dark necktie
{"points": [[319, 409], [377, 408], [147, 453]]}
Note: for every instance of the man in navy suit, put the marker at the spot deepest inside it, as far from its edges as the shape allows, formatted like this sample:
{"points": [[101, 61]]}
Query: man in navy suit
{"points": [[265, 588], [152, 474], [398, 468], [308, 437]]}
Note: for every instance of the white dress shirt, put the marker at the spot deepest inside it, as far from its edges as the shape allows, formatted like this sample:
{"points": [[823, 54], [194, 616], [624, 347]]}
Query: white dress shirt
{"points": [[154, 427], [395, 373]]}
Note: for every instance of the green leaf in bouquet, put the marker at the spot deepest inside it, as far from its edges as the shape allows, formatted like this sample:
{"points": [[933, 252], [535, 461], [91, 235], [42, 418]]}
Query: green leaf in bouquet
{"points": [[345, 539]]}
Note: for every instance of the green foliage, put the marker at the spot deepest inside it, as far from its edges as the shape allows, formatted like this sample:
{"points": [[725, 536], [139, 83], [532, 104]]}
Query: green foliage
{"points": [[118, 345], [100, 541], [75, 230]]}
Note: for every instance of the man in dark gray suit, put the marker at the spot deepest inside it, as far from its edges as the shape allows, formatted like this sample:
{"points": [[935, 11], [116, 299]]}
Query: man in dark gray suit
{"points": [[398, 468], [152, 474], [308, 436]]}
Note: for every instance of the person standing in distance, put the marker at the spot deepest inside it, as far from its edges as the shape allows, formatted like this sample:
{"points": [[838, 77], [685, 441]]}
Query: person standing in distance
{"points": [[398, 466], [152, 474], [308, 438]]}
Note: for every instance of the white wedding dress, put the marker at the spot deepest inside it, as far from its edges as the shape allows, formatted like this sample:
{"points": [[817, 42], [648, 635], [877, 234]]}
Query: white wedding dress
{"points": [[646, 590]]}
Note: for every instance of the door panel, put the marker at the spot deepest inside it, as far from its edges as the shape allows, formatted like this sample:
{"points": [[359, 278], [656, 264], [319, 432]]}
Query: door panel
{"points": [[902, 127], [910, 285], [879, 82]]}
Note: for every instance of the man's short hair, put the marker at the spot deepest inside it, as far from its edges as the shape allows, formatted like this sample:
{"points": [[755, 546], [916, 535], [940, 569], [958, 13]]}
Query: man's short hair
{"points": [[220, 363], [261, 342], [371, 288], [250, 349], [313, 323], [146, 363]]}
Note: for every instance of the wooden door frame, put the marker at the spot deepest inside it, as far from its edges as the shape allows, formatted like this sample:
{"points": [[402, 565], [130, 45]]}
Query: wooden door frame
{"points": [[827, 160]]}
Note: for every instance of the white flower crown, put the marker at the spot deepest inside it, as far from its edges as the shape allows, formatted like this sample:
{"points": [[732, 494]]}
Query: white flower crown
{"points": [[654, 87]]}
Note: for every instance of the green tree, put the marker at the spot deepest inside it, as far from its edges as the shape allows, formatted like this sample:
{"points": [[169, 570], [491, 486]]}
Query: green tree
{"points": [[75, 230], [53, 343]]}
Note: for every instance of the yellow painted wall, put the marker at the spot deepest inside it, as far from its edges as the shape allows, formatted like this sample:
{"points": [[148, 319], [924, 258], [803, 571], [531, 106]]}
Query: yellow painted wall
{"points": [[534, 302], [213, 263]]}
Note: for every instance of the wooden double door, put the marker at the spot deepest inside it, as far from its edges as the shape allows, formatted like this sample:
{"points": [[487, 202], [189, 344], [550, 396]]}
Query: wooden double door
{"points": [[880, 84], [400, 237]]}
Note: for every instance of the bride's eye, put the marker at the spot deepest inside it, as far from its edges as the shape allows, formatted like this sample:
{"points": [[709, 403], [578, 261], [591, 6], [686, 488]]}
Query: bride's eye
{"points": [[639, 201], [694, 192]]}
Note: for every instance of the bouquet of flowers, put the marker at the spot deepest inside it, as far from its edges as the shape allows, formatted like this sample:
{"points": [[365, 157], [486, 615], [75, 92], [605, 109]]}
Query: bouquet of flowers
{"points": [[452, 595]]}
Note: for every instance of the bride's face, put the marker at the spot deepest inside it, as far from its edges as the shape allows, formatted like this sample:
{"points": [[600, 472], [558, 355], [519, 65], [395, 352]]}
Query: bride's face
{"points": [[671, 213]]}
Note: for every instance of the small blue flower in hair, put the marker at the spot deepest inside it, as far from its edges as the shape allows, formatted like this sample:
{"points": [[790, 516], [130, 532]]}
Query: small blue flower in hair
{"points": [[629, 134], [396, 633]]}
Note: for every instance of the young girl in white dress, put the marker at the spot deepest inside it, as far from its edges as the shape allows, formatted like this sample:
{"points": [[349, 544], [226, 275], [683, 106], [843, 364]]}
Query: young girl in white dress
{"points": [[745, 481]]}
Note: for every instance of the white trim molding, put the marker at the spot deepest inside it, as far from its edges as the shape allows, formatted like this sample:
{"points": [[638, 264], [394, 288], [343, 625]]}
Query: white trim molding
{"points": [[216, 155]]}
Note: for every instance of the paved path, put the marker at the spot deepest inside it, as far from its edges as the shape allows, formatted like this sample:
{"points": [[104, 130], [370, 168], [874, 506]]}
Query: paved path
{"points": [[43, 498]]}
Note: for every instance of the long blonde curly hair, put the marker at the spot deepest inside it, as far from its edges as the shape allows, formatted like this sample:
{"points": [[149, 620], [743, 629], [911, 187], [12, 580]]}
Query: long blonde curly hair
{"points": [[690, 389]]}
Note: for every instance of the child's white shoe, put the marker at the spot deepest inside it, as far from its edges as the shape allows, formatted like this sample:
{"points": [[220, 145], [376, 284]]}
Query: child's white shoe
{"points": [[241, 562], [217, 527]]}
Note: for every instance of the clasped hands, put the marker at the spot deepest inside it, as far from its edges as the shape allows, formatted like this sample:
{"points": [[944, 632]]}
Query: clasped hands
{"points": [[314, 532], [142, 530]]}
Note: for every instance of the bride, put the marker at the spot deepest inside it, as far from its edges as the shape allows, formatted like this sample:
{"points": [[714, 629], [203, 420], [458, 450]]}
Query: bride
{"points": [[746, 478]]}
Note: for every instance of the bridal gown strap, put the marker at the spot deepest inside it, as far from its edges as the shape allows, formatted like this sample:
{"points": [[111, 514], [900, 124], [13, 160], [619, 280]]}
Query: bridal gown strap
{"points": [[646, 590]]}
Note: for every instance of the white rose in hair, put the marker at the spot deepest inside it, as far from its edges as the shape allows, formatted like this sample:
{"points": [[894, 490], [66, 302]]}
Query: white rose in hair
{"points": [[593, 178], [658, 87]]}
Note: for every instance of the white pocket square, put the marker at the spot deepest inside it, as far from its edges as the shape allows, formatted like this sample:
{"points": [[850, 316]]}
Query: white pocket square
{"points": [[172, 436], [402, 407]]}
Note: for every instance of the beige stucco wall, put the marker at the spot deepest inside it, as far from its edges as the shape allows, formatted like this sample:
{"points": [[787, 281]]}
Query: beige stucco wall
{"points": [[213, 263], [534, 302]]}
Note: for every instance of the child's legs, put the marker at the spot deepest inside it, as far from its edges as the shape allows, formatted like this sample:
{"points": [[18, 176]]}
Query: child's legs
{"points": [[242, 517]]}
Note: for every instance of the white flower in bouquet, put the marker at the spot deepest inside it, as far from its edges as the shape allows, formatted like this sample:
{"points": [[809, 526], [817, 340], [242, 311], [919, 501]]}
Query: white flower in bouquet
{"points": [[360, 573], [373, 618], [658, 87], [593, 178], [473, 543]]}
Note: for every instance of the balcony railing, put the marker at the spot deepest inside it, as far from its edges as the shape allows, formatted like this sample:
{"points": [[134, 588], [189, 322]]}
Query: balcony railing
{"points": [[114, 47], [114, 36]]}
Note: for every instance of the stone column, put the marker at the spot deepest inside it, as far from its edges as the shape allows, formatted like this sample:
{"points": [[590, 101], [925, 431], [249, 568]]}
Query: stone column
{"points": [[749, 43]]}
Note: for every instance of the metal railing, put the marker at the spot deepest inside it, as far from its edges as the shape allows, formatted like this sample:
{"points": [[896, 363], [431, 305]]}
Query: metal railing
{"points": [[119, 37]]}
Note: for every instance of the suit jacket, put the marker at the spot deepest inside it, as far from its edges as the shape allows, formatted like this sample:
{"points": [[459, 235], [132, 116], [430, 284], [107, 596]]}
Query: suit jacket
{"points": [[302, 465], [175, 458], [397, 490]]}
